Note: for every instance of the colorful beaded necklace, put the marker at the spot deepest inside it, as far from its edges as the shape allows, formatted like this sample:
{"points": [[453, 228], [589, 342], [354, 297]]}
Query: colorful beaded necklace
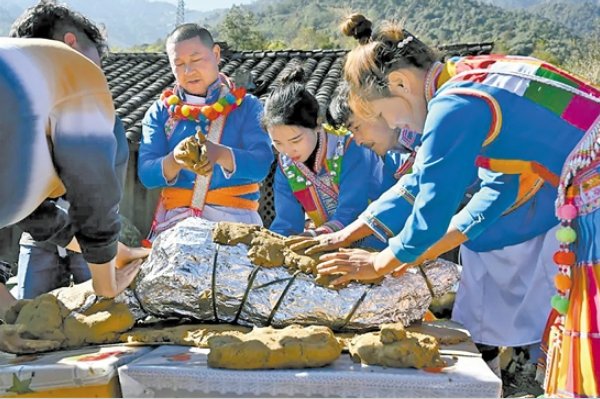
{"points": [[202, 114]]}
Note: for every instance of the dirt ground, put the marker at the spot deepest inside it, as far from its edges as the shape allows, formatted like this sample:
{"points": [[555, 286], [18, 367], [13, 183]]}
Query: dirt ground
{"points": [[518, 375]]}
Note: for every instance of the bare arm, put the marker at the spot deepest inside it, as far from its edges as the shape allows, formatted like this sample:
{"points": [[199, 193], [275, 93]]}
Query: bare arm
{"points": [[452, 239], [108, 281]]}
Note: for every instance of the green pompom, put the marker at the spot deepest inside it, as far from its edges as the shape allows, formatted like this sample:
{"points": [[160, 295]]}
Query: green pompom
{"points": [[566, 235], [560, 304]]}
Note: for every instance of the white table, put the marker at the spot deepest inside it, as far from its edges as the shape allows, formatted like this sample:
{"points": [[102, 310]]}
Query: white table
{"points": [[177, 371], [91, 371]]}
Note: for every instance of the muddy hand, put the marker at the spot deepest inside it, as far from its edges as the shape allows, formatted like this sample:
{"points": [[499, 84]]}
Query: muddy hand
{"points": [[204, 166], [315, 245], [187, 152], [300, 243], [352, 264]]}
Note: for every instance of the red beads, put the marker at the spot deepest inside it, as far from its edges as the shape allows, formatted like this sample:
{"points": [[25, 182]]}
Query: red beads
{"points": [[209, 113], [564, 258]]}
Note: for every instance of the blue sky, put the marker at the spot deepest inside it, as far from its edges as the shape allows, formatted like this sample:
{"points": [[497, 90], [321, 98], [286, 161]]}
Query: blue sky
{"points": [[207, 5]]}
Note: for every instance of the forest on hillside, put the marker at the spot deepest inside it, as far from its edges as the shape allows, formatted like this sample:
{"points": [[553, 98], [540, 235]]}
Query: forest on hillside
{"points": [[562, 32], [314, 24]]}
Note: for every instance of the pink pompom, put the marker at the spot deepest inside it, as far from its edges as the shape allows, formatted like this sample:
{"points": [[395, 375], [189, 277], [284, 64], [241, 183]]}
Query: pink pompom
{"points": [[567, 212]]}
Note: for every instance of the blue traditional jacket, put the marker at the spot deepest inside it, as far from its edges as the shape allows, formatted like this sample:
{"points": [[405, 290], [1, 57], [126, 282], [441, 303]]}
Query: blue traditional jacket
{"points": [[344, 179], [249, 143], [511, 120]]}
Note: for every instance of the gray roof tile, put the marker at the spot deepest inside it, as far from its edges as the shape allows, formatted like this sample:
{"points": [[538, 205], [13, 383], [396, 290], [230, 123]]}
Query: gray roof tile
{"points": [[136, 80]]}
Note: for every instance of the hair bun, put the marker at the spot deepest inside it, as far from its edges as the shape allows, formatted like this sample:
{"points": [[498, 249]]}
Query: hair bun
{"points": [[358, 27], [294, 75]]}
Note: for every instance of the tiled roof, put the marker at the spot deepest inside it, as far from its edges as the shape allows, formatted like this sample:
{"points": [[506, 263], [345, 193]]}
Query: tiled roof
{"points": [[461, 49], [137, 79]]}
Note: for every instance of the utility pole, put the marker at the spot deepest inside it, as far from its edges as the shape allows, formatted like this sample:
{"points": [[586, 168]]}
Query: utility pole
{"points": [[180, 12]]}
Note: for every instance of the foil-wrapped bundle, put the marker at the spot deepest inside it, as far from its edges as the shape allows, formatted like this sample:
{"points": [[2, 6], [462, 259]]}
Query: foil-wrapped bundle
{"points": [[189, 275]]}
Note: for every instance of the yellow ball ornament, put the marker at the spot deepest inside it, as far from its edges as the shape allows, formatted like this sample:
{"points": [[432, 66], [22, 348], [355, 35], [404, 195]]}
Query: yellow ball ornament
{"points": [[218, 107], [173, 100]]}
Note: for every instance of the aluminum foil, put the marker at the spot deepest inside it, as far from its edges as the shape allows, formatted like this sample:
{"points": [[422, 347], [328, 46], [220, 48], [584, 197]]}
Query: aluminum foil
{"points": [[188, 275], [128, 297]]}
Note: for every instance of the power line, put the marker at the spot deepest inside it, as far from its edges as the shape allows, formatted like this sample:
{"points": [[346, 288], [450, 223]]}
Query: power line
{"points": [[180, 12]]}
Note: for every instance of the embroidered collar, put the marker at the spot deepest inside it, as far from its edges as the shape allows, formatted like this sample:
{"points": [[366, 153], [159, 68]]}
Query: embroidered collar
{"points": [[321, 151], [584, 153], [408, 141], [432, 80], [214, 89]]}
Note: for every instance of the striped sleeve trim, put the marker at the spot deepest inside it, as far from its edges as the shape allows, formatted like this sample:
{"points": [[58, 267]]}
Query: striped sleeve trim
{"points": [[380, 230]]}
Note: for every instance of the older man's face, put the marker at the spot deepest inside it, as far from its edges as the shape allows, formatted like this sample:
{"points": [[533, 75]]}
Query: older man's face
{"points": [[194, 65]]}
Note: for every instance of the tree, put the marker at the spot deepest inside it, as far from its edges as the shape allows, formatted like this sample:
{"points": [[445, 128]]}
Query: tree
{"points": [[157, 47], [310, 38], [276, 45], [586, 64], [239, 30], [540, 51]]}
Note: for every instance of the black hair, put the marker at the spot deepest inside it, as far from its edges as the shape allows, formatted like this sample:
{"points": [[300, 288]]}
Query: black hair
{"points": [[48, 20], [188, 31], [291, 103], [338, 113], [357, 26]]}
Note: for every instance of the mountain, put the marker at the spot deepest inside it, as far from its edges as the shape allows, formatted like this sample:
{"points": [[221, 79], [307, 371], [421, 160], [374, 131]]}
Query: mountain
{"points": [[533, 3], [582, 17], [545, 28], [204, 5], [128, 22], [436, 21], [8, 11]]}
